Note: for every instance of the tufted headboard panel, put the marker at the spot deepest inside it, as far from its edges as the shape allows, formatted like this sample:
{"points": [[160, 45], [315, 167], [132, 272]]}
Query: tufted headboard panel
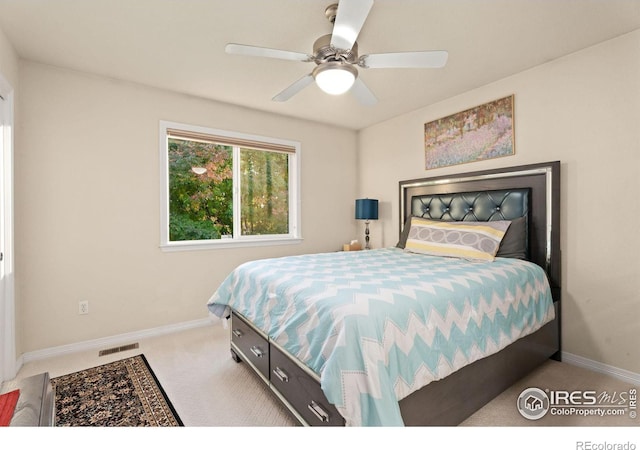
{"points": [[477, 206]]}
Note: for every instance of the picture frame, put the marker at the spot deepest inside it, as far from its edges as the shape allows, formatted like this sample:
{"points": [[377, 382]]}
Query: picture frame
{"points": [[479, 133]]}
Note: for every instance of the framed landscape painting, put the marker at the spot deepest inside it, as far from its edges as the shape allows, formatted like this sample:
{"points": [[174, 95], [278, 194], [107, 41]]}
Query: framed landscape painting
{"points": [[479, 133]]}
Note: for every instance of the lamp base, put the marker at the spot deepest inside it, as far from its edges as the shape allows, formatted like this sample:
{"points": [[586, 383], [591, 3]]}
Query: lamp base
{"points": [[366, 236]]}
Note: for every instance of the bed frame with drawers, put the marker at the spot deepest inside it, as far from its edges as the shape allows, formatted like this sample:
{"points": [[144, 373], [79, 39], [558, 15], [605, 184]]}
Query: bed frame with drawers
{"points": [[453, 399]]}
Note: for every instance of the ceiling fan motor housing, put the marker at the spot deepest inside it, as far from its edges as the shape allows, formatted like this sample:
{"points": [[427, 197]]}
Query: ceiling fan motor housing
{"points": [[323, 51]]}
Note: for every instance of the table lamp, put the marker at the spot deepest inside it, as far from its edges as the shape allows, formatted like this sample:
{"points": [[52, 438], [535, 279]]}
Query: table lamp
{"points": [[366, 209]]}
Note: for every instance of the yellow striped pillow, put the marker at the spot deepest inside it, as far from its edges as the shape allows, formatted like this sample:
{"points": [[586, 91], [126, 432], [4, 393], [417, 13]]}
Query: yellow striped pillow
{"points": [[469, 240]]}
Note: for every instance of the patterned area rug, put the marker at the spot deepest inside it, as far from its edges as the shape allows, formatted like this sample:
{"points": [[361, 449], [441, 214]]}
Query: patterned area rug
{"points": [[123, 393]]}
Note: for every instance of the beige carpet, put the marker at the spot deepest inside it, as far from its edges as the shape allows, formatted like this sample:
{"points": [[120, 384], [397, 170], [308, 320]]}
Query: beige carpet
{"points": [[207, 388]]}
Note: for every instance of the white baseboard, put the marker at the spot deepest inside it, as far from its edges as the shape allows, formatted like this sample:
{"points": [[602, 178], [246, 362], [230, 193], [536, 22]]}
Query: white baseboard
{"points": [[111, 341], [621, 374]]}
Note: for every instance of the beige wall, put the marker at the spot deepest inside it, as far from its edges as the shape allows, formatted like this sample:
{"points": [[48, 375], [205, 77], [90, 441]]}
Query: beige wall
{"points": [[583, 110], [8, 61], [87, 205]]}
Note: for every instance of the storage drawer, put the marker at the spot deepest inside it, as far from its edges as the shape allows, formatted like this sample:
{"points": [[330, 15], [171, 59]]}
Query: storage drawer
{"points": [[301, 391], [253, 347]]}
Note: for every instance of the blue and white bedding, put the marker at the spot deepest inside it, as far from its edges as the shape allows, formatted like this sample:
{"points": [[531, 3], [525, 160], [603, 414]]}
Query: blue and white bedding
{"points": [[378, 325]]}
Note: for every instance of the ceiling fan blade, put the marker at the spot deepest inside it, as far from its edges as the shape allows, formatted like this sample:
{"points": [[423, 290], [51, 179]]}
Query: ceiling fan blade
{"points": [[362, 93], [294, 89], [349, 21], [409, 60], [249, 50]]}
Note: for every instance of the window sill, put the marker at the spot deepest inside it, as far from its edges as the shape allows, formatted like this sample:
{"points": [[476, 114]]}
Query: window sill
{"points": [[226, 243]]}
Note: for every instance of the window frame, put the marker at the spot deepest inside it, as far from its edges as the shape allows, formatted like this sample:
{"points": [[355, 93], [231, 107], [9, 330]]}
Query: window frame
{"points": [[293, 237]]}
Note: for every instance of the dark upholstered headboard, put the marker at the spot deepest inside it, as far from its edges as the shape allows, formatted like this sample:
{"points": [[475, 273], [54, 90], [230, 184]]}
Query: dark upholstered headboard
{"points": [[532, 191], [477, 206]]}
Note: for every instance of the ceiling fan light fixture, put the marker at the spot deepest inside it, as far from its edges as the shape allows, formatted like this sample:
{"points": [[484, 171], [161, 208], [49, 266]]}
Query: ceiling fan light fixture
{"points": [[334, 77]]}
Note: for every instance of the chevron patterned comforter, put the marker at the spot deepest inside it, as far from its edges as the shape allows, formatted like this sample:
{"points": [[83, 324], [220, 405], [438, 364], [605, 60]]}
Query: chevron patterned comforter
{"points": [[378, 325]]}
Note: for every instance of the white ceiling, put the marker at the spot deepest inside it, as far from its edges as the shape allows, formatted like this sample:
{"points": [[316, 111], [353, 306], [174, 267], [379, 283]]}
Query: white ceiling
{"points": [[179, 45]]}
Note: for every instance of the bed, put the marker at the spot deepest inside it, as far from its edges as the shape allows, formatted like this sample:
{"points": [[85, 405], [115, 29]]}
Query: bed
{"points": [[402, 335]]}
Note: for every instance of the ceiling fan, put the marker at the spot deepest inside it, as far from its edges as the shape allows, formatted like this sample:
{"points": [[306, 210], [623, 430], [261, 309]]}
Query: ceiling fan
{"points": [[336, 56]]}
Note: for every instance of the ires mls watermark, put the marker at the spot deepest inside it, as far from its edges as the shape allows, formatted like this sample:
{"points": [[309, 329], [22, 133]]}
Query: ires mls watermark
{"points": [[534, 403]]}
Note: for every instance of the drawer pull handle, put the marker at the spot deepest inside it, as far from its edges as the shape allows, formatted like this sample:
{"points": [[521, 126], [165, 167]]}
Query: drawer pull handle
{"points": [[237, 332], [281, 374], [256, 351], [320, 413]]}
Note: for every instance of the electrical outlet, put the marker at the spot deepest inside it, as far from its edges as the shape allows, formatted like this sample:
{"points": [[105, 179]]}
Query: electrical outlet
{"points": [[83, 307]]}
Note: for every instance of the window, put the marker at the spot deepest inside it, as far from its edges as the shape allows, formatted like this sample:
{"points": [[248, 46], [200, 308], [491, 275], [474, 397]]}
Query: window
{"points": [[223, 189]]}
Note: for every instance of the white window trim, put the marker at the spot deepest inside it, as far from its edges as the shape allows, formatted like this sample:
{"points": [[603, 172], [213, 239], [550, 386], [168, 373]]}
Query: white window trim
{"points": [[295, 235]]}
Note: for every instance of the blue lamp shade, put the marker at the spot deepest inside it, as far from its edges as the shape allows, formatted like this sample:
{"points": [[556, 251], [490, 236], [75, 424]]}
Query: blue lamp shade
{"points": [[366, 209]]}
